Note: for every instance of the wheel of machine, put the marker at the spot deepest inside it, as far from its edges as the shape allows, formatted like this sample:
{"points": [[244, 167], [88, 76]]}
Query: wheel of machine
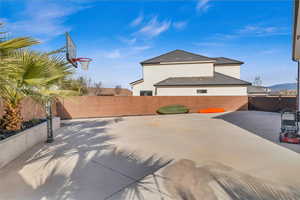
{"points": [[280, 138]]}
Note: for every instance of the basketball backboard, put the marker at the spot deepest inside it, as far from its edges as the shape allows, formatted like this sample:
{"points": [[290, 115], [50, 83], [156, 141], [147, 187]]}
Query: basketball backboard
{"points": [[71, 50]]}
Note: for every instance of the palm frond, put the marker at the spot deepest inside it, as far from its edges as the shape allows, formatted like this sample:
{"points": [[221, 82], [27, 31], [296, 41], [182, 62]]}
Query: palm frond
{"points": [[16, 43], [57, 51], [34, 74]]}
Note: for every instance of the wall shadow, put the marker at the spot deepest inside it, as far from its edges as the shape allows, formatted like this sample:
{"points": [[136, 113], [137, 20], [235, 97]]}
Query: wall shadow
{"points": [[61, 111]]}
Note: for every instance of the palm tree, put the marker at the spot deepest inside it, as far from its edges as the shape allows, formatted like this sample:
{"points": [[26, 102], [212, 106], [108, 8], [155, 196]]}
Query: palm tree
{"points": [[31, 74], [28, 73], [7, 49]]}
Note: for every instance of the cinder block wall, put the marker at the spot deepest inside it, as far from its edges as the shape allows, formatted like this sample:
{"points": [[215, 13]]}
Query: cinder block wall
{"points": [[30, 109], [101, 106], [272, 104]]}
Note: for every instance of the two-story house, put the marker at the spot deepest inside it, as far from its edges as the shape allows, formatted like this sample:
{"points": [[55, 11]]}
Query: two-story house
{"points": [[181, 73]]}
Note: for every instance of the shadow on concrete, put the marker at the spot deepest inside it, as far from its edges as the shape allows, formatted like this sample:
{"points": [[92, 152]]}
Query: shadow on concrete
{"points": [[214, 181], [61, 110], [263, 124], [82, 164]]}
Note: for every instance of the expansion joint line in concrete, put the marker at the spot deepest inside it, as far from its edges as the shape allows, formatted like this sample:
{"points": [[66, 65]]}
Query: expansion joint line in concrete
{"points": [[134, 180]]}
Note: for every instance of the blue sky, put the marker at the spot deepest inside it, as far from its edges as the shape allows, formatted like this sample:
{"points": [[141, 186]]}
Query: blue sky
{"points": [[118, 35]]}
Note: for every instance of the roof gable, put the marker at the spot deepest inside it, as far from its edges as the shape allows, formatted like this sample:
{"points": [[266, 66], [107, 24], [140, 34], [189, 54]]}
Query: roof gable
{"points": [[184, 56], [177, 56]]}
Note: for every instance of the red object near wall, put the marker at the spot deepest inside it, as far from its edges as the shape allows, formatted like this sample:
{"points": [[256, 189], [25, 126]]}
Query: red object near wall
{"points": [[212, 110]]}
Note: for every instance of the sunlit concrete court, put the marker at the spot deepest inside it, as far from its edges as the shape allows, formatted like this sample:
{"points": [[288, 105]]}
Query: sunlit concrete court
{"points": [[158, 157]]}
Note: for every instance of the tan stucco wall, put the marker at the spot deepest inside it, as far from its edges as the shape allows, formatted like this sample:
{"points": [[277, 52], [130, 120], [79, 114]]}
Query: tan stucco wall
{"points": [[230, 70], [155, 73], [141, 86], [211, 91]]}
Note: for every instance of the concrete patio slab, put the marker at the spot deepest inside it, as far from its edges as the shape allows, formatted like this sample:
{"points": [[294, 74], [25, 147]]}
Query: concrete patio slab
{"points": [[80, 164], [68, 177], [204, 138], [150, 187], [130, 164], [128, 158], [264, 124]]}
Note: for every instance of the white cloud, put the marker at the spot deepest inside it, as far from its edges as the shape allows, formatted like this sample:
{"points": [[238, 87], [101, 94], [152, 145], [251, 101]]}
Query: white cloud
{"points": [[124, 52], [113, 54], [209, 44], [154, 27], [261, 30], [180, 25], [254, 31], [202, 5], [43, 19], [269, 51], [137, 21], [129, 41], [141, 48]]}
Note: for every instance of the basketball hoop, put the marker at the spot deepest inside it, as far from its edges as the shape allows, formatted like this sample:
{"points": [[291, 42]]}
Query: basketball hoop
{"points": [[71, 52], [84, 62]]}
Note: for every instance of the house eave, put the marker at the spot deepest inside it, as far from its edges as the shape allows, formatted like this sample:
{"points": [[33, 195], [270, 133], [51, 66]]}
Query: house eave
{"points": [[179, 62], [136, 82], [227, 64], [200, 85]]}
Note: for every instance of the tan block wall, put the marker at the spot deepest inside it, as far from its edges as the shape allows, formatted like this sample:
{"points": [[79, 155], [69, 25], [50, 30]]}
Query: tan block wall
{"points": [[272, 104], [102, 106], [97, 106], [30, 109]]}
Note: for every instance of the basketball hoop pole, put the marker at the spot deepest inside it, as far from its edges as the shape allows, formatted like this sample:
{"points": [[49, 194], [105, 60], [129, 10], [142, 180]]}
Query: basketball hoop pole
{"points": [[49, 122]]}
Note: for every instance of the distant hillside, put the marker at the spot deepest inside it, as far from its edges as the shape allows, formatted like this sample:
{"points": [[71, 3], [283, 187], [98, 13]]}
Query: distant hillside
{"points": [[284, 86]]}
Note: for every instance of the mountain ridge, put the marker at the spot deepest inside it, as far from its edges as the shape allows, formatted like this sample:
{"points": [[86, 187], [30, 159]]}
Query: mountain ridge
{"points": [[283, 86]]}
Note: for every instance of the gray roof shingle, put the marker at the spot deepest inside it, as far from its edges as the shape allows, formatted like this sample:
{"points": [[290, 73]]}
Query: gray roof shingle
{"points": [[177, 56], [184, 56], [217, 79], [223, 60]]}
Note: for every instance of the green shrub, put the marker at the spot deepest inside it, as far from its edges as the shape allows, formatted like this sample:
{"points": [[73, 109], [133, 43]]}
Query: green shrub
{"points": [[173, 109]]}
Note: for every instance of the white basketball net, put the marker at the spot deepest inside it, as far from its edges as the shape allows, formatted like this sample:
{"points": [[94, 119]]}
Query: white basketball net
{"points": [[84, 65]]}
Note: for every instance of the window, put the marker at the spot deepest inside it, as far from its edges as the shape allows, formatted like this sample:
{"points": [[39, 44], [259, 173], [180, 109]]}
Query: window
{"points": [[146, 93], [201, 91]]}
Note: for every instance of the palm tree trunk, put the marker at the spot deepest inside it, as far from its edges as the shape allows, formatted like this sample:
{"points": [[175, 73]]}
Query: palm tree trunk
{"points": [[12, 117]]}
